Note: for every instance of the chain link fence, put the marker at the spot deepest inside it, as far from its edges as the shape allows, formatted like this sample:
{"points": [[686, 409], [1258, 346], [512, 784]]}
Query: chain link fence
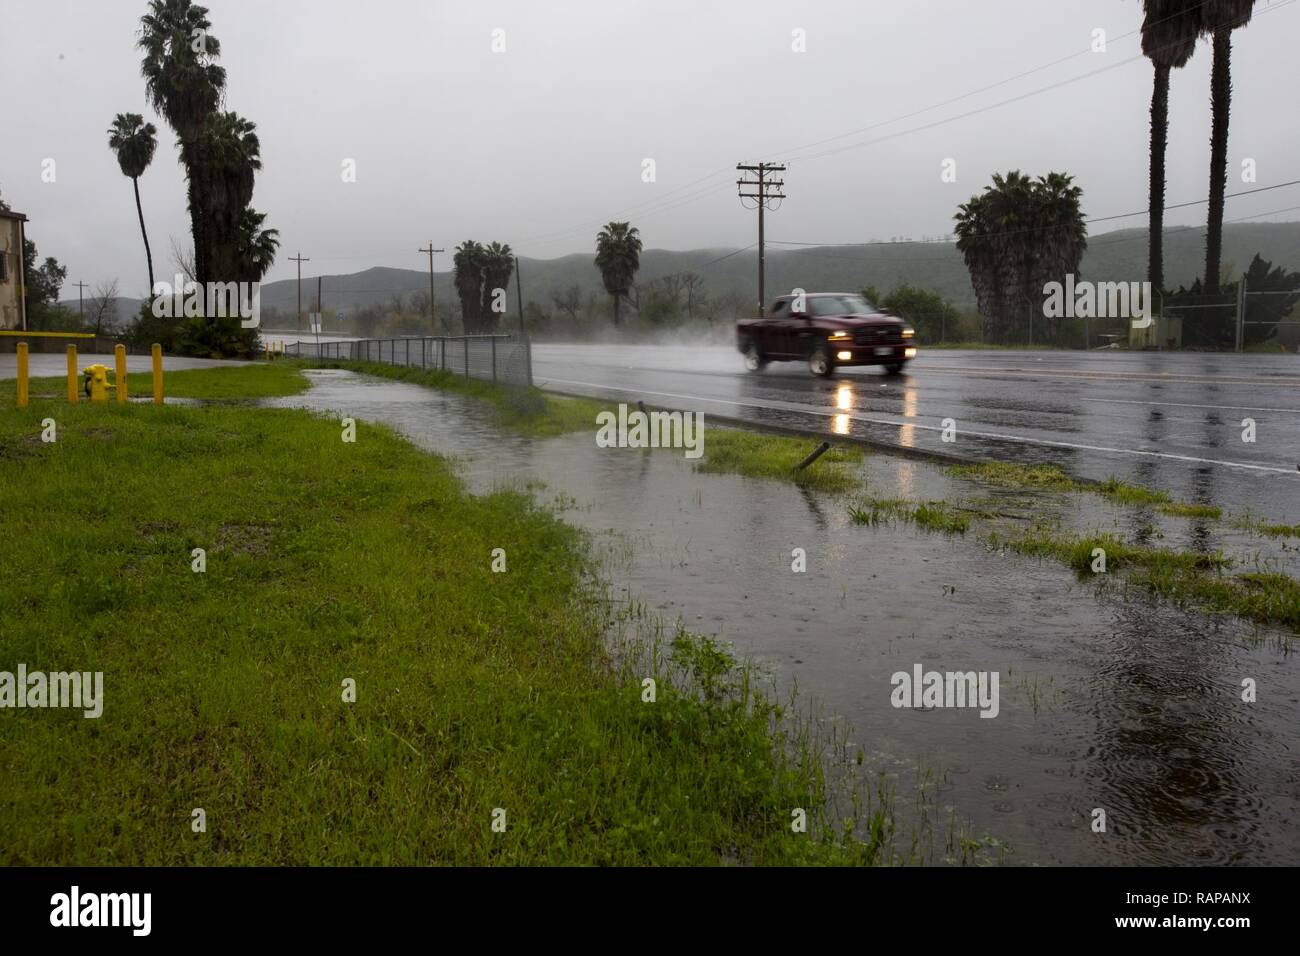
{"points": [[505, 359]]}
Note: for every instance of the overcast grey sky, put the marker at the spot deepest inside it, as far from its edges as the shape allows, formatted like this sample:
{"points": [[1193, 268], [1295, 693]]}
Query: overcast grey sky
{"points": [[540, 144]]}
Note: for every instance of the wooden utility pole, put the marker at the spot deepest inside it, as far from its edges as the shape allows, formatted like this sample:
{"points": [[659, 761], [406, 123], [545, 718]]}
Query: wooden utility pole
{"points": [[81, 312], [300, 260], [433, 315], [764, 191]]}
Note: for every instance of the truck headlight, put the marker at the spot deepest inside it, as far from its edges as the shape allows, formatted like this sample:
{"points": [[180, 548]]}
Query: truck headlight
{"points": [[908, 333], [839, 336]]}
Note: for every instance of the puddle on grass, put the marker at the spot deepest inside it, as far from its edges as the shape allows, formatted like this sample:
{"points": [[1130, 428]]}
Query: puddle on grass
{"points": [[1106, 701]]}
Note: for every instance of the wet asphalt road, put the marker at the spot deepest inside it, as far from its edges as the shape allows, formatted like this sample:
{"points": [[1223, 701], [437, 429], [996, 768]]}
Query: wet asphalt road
{"points": [[1168, 420]]}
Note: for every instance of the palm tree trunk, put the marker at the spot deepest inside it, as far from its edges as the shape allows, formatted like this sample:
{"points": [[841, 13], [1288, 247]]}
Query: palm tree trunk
{"points": [[197, 201], [1159, 141], [135, 181], [1220, 103], [616, 298]]}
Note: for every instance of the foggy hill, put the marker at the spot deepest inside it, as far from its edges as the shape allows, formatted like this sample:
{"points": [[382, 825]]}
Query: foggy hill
{"points": [[1113, 256]]}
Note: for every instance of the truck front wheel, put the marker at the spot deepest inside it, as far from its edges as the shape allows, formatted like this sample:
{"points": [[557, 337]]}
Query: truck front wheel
{"points": [[819, 360]]}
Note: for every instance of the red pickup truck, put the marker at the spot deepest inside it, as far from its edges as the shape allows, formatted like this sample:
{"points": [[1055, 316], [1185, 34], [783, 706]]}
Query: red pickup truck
{"points": [[826, 329]]}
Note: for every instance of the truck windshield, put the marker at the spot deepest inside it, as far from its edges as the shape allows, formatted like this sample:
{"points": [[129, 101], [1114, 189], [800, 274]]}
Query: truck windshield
{"points": [[840, 305]]}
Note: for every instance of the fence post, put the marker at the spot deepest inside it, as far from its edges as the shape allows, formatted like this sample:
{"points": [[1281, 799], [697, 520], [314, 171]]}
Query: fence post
{"points": [[494, 358], [1241, 314], [466, 341]]}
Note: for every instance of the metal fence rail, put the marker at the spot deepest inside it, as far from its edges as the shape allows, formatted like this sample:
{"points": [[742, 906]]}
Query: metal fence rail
{"points": [[505, 359]]}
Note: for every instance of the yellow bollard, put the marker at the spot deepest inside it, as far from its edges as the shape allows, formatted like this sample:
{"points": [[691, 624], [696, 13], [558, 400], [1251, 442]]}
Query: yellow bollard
{"points": [[119, 375], [72, 375], [156, 349], [22, 374]]}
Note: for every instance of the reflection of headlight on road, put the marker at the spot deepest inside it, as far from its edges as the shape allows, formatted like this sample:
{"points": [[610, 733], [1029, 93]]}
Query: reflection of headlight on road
{"points": [[844, 356], [840, 426], [844, 398], [910, 353]]}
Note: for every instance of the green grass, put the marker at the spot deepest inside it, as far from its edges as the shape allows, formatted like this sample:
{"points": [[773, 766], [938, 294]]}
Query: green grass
{"points": [[1077, 552], [1052, 478], [1007, 475], [1269, 530], [329, 561], [930, 515], [259, 380], [762, 455], [1186, 577], [1196, 578]]}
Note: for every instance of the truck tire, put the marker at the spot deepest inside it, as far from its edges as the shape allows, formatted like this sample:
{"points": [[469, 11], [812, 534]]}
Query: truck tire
{"points": [[754, 360], [894, 368], [819, 360]]}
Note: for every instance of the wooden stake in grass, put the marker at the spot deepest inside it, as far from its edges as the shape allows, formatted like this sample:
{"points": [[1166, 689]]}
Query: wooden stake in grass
{"points": [[820, 450]]}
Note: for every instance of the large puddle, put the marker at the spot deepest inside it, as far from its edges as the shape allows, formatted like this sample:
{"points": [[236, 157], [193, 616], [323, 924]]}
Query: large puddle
{"points": [[1108, 701]]}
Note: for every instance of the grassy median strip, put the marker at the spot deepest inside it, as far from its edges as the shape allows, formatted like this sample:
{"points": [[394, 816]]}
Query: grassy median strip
{"points": [[236, 382], [477, 693]]}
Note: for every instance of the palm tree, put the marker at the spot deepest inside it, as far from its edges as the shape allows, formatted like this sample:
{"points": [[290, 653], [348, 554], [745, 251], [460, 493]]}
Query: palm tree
{"points": [[618, 257], [498, 267], [185, 86], [468, 263], [134, 142], [233, 157], [1057, 242], [1219, 18], [1016, 236], [1169, 31], [257, 245]]}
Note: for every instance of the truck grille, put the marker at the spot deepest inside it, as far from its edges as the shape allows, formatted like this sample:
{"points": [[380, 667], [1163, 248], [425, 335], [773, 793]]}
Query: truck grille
{"points": [[877, 335]]}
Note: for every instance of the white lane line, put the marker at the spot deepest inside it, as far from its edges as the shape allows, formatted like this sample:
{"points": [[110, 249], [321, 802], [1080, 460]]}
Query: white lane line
{"points": [[809, 410], [1164, 378], [1226, 408]]}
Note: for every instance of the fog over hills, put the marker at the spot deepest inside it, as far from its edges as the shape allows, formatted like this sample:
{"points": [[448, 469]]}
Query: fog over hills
{"points": [[938, 266]]}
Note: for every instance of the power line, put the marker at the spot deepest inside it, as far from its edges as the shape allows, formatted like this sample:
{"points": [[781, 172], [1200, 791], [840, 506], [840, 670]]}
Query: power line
{"points": [[1012, 232]]}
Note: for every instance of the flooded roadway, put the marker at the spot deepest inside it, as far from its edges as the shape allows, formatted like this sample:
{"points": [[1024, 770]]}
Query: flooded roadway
{"points": [[1107, 701], [1171, 420]]}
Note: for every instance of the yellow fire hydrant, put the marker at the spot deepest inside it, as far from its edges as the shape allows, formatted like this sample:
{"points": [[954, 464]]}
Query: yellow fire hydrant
{"points": [[97, 384]]}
